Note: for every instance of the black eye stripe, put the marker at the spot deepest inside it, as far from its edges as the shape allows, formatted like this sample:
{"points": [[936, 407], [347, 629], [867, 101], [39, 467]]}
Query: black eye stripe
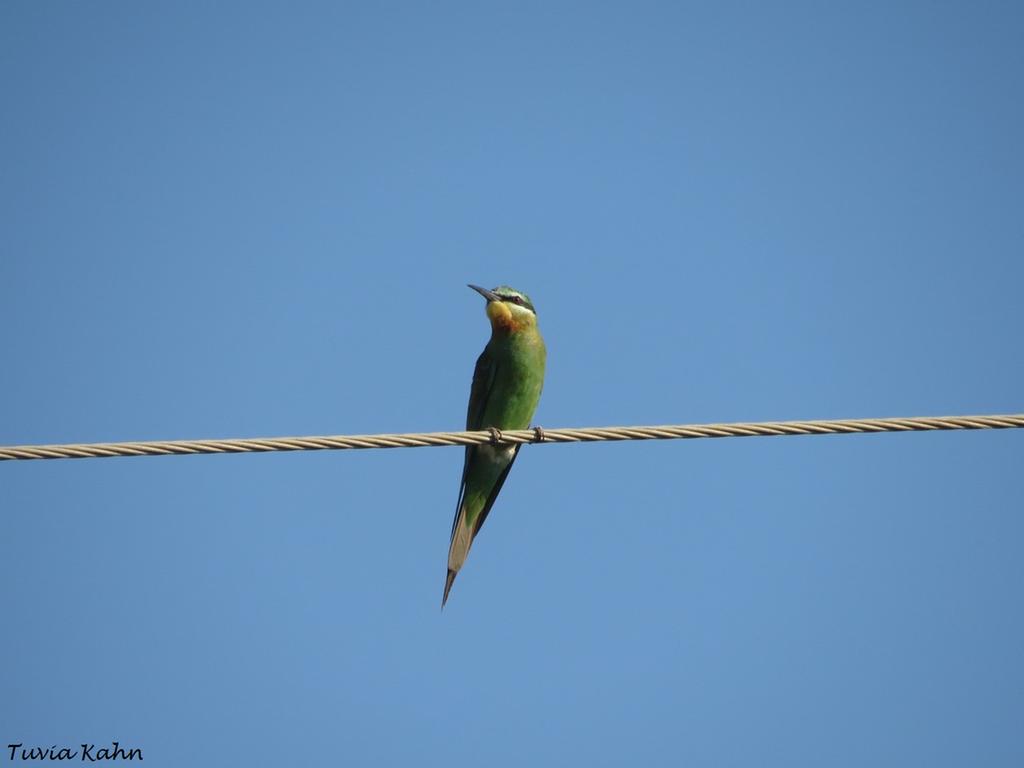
{"points": [[517, 300]]}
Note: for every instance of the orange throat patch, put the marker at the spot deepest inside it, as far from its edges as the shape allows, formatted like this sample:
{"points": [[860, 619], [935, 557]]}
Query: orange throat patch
{"points": [[503, 318]]}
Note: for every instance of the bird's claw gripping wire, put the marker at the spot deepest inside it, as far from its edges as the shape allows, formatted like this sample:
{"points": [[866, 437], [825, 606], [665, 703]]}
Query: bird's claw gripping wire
{"points": [[538, 434], [495, 436]]}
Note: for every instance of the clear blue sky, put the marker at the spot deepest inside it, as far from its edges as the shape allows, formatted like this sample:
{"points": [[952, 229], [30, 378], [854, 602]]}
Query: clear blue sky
{"points": [[250, 220]]}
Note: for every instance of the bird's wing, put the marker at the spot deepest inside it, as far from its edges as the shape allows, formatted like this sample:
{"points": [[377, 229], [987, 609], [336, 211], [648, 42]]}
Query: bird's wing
{"points": [[479, 394]]}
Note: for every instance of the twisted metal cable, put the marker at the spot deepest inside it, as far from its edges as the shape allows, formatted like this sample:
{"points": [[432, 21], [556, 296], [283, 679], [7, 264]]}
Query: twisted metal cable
{"points": [[511, 437]]}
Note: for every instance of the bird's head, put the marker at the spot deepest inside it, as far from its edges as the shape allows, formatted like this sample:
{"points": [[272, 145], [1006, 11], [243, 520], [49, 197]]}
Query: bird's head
{"points": [[508, 309]]}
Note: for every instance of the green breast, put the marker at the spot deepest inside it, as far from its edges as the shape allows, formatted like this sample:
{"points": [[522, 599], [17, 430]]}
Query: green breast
{"points": [[519, 378]]}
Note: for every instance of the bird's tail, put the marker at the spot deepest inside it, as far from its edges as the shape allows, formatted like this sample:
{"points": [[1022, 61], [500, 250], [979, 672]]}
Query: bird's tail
{"points": [[462, 539], [448, 586]]}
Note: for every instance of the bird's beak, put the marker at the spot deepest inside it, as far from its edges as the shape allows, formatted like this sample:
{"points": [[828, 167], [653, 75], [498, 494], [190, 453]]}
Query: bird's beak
{"points": [[489, 295]]}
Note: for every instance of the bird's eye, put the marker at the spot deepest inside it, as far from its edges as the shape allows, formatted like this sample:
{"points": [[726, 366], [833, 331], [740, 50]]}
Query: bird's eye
{"points": [[518, 300]]}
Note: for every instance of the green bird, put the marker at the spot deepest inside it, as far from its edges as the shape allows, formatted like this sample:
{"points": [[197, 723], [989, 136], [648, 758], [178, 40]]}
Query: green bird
{"points": [[506, 387]]}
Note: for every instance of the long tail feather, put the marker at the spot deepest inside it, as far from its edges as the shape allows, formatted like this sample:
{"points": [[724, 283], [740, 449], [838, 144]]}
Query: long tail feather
{"points": [[448, 586]]}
